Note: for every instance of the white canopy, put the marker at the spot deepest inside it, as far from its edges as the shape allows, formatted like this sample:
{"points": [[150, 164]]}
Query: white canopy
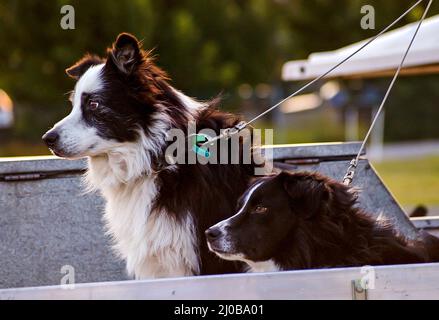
{"points": [[380, 58]]}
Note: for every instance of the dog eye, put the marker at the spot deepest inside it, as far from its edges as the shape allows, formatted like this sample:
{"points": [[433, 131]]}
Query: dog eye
{"points": [[93, 105], [260, 209]]}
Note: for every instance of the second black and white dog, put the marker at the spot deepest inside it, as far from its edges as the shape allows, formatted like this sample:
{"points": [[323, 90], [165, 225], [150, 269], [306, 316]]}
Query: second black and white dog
{"points": [[156, 213], [305, 220]]}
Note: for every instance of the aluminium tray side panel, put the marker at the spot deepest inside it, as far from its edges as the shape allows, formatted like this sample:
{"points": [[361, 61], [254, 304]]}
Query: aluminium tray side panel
{"points": [[50, 224], [397, 282]]}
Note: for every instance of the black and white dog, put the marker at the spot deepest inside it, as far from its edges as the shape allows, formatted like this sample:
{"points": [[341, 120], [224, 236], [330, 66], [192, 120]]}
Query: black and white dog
{"points": [[305, 220], [156, 213]]}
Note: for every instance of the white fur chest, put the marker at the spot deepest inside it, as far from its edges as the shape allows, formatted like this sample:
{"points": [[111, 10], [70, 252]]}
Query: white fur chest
{"points": [[153, 243], [263, 266]]}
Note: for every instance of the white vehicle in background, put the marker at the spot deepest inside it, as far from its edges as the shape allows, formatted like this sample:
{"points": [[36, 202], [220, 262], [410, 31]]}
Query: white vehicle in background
{"points": [[6, 111]]}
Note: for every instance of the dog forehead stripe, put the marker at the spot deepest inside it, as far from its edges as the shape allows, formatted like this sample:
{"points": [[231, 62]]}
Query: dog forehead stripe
{"points": [[246, 199], [250, 193], [90, 82]]}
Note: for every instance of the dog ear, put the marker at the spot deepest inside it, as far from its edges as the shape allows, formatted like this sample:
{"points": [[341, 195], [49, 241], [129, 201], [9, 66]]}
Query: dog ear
{"points": [[79, 68], [308, 193], [126, 53]]}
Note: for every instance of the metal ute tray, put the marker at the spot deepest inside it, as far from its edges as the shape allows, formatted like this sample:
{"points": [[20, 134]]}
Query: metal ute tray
{"points": [[48, 222]]}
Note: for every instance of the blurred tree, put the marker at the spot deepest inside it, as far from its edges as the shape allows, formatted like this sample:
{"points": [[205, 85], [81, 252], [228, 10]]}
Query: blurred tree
{"points": [[206, 46]]}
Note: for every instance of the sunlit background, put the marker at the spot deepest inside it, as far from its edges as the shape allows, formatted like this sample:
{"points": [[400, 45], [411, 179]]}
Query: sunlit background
{"points": [[232, 47]]}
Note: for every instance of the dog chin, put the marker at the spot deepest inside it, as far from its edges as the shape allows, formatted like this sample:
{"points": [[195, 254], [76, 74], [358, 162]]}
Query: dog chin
{"points": [[68, 154], [231, 256]]}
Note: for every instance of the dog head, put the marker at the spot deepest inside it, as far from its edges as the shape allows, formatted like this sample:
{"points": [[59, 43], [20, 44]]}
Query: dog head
{"points": [[112, 100], [272, 210]]}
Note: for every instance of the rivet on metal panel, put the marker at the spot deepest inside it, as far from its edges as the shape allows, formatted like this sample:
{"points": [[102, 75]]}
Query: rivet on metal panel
{"points": [[358, 292]]}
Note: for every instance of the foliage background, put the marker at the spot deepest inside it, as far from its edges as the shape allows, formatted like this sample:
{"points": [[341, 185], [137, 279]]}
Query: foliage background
{"points": [[207, 46]]}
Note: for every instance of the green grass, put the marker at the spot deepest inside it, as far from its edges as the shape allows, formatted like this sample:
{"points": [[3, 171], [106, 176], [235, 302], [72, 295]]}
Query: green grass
{"points": [[412, 182]]}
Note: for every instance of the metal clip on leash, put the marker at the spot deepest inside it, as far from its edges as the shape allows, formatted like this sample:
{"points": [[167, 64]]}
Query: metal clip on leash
{"points": [[229, 132], [349, 176], [203, 141]]}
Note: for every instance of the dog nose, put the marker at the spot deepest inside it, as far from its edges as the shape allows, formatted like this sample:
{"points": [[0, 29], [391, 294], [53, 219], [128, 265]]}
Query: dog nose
{"points": [[50, 138], [213, 233]]}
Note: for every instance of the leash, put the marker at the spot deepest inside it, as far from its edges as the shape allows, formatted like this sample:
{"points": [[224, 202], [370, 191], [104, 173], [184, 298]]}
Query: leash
{"points": [[227, 133], [347, 180], [201, 142]]}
